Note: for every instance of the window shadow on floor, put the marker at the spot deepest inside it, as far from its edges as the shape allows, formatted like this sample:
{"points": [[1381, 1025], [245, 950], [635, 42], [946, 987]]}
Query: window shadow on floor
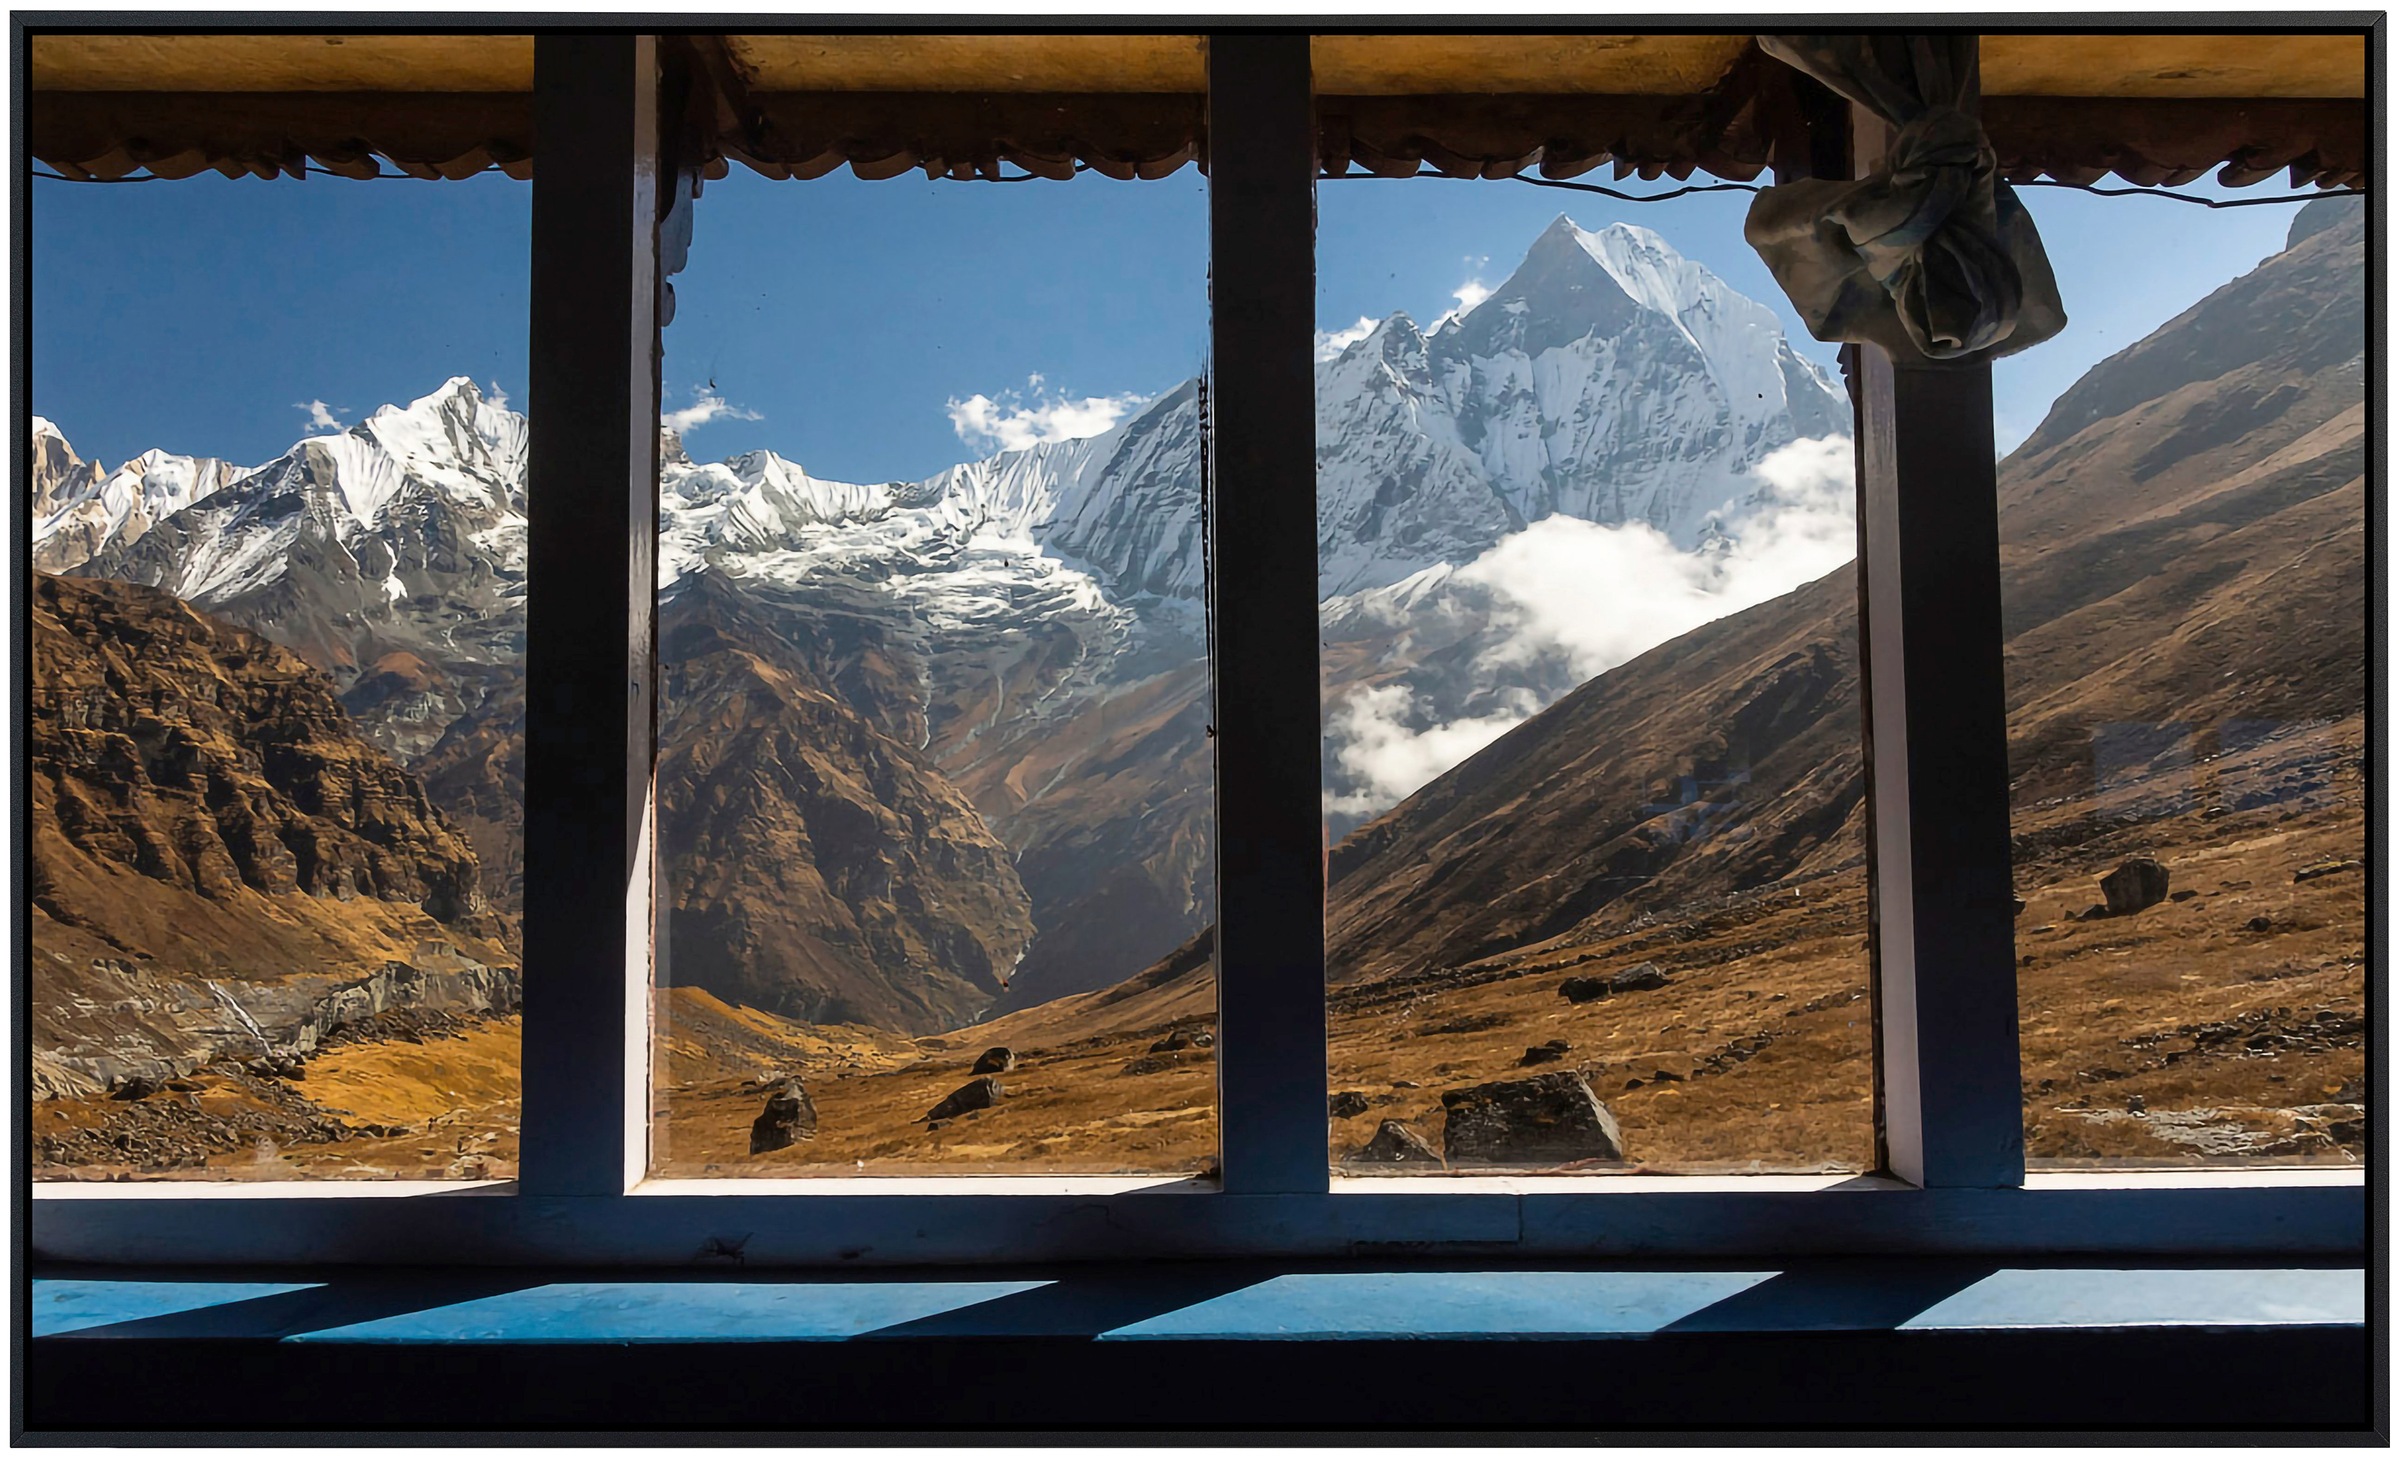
{"points": [[1838, 1295], [1082, 1304], [344, 1301]]}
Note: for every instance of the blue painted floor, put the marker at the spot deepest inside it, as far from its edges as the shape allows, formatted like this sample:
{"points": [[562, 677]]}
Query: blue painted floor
{"points": [[1187, 1303]]}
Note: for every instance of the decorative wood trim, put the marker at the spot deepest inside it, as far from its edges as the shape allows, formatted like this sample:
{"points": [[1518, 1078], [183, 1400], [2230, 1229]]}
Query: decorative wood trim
{"points": [[1725, 132]]}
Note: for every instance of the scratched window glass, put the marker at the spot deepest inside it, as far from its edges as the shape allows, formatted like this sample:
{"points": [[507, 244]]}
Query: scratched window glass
{"points": [[276, 634], [2183, 540], [1593, 782]]}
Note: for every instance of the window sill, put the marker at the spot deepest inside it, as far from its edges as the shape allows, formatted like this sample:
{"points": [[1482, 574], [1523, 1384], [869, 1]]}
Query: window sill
{"points": [[1009, 1218]]}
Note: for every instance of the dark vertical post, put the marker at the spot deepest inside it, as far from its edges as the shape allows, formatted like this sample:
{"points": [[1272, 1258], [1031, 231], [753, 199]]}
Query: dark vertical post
{"points": [[1946, 980], [1270, 835], [592, 498]]}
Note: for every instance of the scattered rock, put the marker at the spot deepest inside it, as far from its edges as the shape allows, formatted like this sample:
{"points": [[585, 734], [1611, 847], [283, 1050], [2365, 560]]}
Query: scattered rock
{"points": [[1150, 1063], [1660, 1075], [2343, 1123], [2135, 1104], [996, 1060], [134, 1088], [1348, 1104], [1175, 1041], [2325, 868], [1406, 1083], [1396, 1143], [2184, 895], [2017, 905], [1640, 978], [2138, 883], [790, 1116], [1472, 1023], [1637, 979], [1551, 1118], [1549, 1052], [2260, 923], [2093, 912], [981, 1093]]}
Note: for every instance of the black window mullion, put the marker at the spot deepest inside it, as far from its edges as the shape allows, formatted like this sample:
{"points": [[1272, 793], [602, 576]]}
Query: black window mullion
{"points": [[589, 653], [1271, 1068], [1948, 1089]]}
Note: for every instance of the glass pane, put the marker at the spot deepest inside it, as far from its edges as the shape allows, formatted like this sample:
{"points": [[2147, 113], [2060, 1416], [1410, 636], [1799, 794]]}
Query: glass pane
{"points": [[935, 793], [2183, 538], [276, 663], [1592, 754]]}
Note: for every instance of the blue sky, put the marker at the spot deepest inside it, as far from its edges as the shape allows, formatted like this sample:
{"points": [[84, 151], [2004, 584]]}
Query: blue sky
{"points": [[852, 326]]}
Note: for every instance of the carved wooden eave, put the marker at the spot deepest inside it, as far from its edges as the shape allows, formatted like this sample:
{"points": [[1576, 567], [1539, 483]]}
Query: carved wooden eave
{"points": [[2147, 108]]}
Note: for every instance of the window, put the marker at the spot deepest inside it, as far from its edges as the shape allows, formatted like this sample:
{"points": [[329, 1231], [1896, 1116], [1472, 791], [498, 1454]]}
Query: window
{"points": [[1598, 897], [935, 820], [615, 212], [2183, 540], [277, 680]]}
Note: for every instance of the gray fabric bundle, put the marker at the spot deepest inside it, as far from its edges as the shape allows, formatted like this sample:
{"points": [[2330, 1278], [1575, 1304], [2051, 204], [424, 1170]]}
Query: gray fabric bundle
{"points": [[1932, 256]]}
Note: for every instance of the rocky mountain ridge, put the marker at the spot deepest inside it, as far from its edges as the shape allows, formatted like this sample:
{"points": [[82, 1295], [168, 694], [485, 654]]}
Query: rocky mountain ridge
{"points": [[220, 865], [1028, 625]]}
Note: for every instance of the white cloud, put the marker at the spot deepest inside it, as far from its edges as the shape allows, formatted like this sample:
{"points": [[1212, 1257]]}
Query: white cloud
{"points": [[1604, 594], [1008, 423], [495, 397], [320, 414], [707, 405], [1384, 761], [1331, 342], [1474, 291], [1599, 596]]}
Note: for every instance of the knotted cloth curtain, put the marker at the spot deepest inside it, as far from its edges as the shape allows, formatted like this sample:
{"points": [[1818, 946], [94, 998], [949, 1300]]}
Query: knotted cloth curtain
{"points": [[1931, 256]]}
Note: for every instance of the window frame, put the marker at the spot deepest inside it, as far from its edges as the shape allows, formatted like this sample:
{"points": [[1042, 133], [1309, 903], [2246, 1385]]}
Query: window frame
{"points": [[1950, 1124]]}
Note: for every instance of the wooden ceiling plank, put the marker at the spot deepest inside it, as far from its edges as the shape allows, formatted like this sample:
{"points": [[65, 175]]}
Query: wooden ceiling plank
{"points": [[115, 61]]}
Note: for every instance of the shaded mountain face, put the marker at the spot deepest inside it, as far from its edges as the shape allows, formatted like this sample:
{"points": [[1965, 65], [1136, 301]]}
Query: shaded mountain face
{"points": [[2179, 538], [1027, 628], [216, 853], [816, 867], [1722, 761], [2225, 459]]}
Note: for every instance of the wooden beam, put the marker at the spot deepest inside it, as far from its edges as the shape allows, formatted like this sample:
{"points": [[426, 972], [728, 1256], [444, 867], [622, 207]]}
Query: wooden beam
{"points": [[1271, 1062], [592, 496]]}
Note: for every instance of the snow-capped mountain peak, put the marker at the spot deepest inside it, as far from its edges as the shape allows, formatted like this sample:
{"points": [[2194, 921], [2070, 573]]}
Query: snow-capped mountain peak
{"points": [[453, 439], [1608, 378], [81, 506]]}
